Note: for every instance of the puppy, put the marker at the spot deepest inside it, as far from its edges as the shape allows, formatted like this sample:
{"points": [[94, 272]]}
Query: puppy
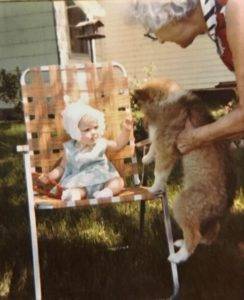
{"points": [[209, 180]]}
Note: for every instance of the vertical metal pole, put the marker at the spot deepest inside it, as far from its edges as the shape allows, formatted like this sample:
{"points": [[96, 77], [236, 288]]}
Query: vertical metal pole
{"points": [[169, 235], [92, 50], [32, 216], [142, 203], [94, 56]]}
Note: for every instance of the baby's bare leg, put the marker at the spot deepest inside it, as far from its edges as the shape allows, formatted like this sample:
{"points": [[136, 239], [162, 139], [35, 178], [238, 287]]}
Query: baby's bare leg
{"points": [[74, 194], [115, 185], [112, 187]]}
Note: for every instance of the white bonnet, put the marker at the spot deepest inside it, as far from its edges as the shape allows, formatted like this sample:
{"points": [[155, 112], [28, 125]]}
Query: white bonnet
{"points": [[74, 112], [154, 14]]}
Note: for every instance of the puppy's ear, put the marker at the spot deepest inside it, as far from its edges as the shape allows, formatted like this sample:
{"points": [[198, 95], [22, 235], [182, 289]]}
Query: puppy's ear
{"points": [[140, 95]]}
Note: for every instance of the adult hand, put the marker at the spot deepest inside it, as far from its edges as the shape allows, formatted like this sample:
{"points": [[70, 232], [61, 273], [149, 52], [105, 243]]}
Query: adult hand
{"points": [[186, 140]]}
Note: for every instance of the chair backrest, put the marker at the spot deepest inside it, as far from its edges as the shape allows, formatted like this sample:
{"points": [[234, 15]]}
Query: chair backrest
{"points": [[46, 90]]}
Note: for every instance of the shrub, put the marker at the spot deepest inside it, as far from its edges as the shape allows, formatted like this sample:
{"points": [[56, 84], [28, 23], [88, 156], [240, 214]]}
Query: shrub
{"points": [[140, 131], [10, 86], [10, 92]]}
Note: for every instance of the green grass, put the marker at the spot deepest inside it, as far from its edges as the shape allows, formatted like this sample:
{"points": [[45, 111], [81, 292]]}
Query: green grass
{"points": [[79, 249]]}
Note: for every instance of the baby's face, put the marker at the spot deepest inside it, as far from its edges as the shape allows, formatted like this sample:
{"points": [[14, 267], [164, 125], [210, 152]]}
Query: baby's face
{"points": [[89, 131]]}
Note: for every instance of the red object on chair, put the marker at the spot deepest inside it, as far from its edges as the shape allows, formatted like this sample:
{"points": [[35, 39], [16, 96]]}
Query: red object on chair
{"points": [[51, 188]]}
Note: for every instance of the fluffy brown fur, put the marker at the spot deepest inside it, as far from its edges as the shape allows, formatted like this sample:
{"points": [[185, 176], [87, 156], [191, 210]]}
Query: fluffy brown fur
{"points": [[209, 180]]}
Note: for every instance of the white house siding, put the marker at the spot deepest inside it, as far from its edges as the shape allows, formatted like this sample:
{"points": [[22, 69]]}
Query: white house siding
{"points": [[27, 35], [198, 66]]}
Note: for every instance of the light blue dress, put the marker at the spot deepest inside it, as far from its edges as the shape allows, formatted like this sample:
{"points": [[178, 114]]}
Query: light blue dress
{"points": [[91, 174]]}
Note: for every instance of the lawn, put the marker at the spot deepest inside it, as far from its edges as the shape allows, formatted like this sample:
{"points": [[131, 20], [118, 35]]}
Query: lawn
{"points": [[97, 253]]}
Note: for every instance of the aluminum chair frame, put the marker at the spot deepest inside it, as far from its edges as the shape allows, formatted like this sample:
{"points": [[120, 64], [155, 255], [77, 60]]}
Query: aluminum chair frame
{"points": [[25, 149]]}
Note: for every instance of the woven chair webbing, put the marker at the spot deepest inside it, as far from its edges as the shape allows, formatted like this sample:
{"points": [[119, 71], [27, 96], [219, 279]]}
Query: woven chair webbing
{"points": [[129, 195], [45, 93]]}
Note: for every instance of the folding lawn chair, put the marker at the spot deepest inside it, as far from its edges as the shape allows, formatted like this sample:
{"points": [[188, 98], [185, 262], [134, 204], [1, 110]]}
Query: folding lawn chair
{"points": [[45, 92]]}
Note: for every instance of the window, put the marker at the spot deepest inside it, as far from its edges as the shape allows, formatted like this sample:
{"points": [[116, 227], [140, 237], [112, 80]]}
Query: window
{"points": [[75, 16]]}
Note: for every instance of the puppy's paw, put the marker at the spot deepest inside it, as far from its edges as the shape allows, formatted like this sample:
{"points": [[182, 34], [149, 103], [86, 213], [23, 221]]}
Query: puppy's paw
{"points": [[147, 159], [179, 243], [180, 256], [154, 189]]}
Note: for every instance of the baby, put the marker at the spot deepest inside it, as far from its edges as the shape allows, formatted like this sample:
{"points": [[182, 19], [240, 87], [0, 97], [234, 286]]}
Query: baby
{"points": [[85, 170]]}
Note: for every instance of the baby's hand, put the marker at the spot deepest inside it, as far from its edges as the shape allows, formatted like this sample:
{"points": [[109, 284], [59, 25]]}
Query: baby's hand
{"points": [[128, 123]]}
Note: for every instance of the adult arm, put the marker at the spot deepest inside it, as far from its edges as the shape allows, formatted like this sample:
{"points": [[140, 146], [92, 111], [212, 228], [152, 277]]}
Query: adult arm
{"points": [[231, 125]]}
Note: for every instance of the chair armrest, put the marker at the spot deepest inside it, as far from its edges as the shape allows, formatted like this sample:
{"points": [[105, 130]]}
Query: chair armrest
{"points": [[22, 148], [143, 143]]}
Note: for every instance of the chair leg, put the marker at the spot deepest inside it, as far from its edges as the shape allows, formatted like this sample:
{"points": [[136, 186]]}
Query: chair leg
{"points": [[169, 236], [33, 229], [142, 217]]}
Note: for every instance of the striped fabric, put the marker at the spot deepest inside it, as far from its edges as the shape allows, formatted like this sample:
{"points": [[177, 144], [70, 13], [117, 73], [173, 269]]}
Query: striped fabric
{"points": [[46, 90], [128, 195], [209, 8], [214, 15]]}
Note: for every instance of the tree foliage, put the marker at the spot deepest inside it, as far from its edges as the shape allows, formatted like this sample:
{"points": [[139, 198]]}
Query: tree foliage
{"points": [[10, 86]]}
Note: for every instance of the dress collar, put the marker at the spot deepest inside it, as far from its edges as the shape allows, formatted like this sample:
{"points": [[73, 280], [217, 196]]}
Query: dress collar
{"points": [[209, 13]]}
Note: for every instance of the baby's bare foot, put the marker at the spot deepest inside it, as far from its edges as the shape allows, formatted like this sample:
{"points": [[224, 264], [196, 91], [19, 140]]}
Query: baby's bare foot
{"points": [[105, 193], [71, 195]]}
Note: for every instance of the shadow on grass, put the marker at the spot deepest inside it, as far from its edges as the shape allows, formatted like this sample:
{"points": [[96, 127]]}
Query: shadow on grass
{"points": [[79, 268], [217, 271], [79, 259], [78, 255], [11, 135], [75, 267]]}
